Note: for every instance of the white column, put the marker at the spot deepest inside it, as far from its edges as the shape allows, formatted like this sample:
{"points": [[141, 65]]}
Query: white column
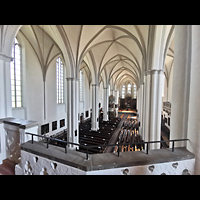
{"points": [[105, 104], [5, 87], [138, 100], [147, 107], [153, 105], [5, 100], [72, 111], [140, 110], [116, 94], [143, 111], [194, 104], [159, 106], [181, 80], [95, 108]]}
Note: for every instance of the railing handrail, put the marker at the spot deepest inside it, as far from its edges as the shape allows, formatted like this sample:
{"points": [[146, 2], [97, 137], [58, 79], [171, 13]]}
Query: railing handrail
{"points": [[105, 145]]}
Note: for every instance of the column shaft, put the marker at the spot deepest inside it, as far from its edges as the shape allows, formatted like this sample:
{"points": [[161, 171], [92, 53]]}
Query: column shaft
{"points": [[95, 107], [5, 100], [153, 107], [105, 104], [181, 79], [194, 104], [72, 111], [147, 108]]}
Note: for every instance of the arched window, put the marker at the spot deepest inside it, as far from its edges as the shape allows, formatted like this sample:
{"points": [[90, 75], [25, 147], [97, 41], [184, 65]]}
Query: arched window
{"points": [[59, 81], [129, 89], [81, 86], [16, 75], [123, 91], [134, 91]]}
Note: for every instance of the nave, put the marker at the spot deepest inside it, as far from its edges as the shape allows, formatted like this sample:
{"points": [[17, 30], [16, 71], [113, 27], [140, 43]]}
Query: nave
{"points": [[122, 130]]}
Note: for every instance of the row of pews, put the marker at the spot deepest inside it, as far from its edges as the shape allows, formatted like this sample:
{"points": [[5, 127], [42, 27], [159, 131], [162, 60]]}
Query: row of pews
{"points": [[87, 137], [129, 134], [165, 135], [62, 135]]}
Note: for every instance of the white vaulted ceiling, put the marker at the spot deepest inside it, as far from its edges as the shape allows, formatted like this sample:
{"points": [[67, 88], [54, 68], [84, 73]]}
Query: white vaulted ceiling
{"points": [[113, 54], [117, 51]]}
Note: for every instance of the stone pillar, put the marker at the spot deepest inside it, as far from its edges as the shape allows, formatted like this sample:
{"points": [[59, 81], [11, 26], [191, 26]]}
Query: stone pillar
{"points": [[72, 111], [146, 124], [5, 100], [194, 104], [95, 108], [105, 104], [153, 105], [140, 110], [116, 93], [138, 100], [5, 87], [143, 111], [159, 106], [181, 82]]}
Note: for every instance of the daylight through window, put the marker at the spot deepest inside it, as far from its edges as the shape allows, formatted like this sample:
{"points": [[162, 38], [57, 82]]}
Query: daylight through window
{"points": [[123, 91], [59, 81], [129, 89], [134, 91], [16, 76], [81, 86]]}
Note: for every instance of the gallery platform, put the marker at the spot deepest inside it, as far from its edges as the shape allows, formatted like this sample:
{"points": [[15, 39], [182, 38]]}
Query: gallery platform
{"points": [[37, 159]]}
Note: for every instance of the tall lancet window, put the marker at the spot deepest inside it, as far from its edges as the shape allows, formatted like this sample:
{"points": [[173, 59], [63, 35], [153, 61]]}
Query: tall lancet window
{"points": [[134, 91], [123, 91], [59, 81], [16, 75], [129, 89], [81, 86]]}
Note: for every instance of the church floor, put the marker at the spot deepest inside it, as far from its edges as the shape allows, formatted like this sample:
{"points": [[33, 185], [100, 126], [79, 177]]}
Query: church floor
{"points": [[7, 168], [127, 111]]}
